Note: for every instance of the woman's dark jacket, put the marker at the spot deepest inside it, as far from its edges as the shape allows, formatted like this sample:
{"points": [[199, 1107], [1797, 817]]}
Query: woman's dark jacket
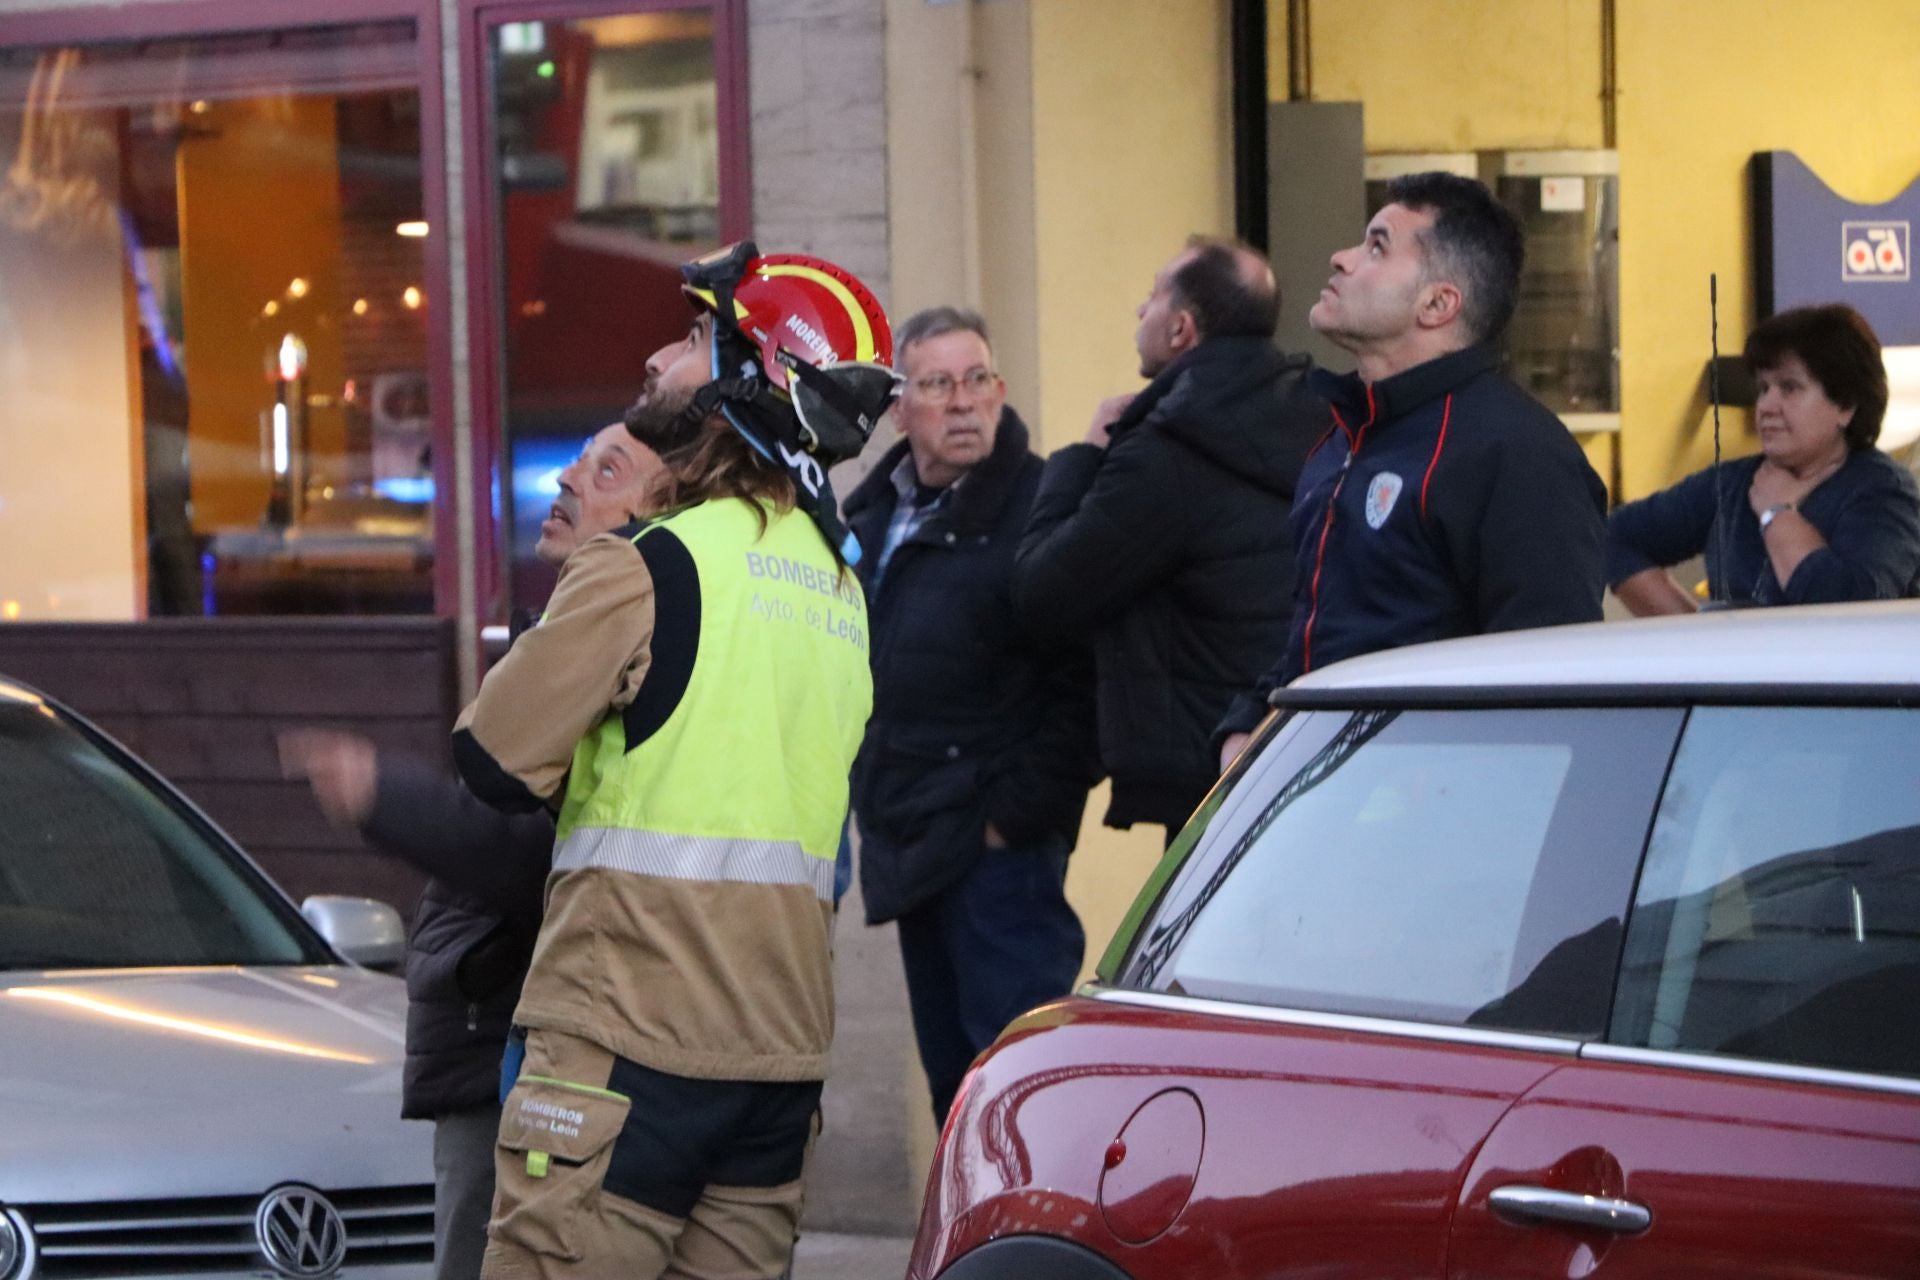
{"points": [[973, 721], [473, 932], [1170, 549], [1868, 511]]}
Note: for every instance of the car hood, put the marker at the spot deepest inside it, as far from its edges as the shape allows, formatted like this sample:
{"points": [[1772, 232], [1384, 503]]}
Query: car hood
{"points": [[202, 1082]]}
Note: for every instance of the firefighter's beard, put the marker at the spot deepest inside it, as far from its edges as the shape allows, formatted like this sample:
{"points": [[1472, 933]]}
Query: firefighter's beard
{"points": [[658, 419]]}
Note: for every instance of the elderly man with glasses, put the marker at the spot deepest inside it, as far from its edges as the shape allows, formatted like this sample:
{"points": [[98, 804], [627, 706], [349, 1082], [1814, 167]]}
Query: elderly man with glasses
{"points": [[977, 761]]}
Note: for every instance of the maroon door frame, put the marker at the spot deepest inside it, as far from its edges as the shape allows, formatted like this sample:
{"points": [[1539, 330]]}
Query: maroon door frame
{"points": [[99, 24], [486, 337]]}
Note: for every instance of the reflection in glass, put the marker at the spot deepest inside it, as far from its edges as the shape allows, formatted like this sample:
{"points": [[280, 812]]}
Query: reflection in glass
{"points": [[609, 178], [1446, 866], [1779, 913], [97, 871], [216, 390]]}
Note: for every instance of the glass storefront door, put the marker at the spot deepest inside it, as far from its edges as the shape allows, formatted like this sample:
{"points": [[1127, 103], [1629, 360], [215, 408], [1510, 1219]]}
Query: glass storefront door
{"points": [[610, 167]]}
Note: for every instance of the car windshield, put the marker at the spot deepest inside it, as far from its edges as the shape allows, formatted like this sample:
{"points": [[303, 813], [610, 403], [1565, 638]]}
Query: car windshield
{"points": [[98, 870]]}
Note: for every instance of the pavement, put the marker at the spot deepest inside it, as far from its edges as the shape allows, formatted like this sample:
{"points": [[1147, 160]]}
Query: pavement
{"points": [[823, 1255]]}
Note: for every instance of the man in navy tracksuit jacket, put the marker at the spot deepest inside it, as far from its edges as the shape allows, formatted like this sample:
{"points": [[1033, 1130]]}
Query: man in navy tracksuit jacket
{"points": [[1444, 500]]}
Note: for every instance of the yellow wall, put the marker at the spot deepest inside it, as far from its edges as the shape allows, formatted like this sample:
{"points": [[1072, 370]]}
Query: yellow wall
{"points": [[935, 227], [1132, 153], [1703, 86], [1456, 75]]}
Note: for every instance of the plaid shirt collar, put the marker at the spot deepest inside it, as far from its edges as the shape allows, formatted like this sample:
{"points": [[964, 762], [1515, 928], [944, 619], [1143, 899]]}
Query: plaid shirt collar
{"points": [[907, 515]]}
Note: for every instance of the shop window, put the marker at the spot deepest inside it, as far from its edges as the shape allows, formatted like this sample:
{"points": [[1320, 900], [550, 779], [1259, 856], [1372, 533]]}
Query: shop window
{"points": [[608, 176], [213, 327]]}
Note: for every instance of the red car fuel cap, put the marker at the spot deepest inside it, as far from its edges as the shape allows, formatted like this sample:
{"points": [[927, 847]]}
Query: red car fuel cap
{"points": [[1151, 1166]]}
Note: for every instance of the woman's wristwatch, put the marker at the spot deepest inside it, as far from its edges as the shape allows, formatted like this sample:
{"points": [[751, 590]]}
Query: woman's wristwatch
{"points": [[1766, 517]]}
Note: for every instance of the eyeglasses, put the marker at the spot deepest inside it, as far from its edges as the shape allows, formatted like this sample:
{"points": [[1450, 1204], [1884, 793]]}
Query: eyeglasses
{"points": [[937, 388]]}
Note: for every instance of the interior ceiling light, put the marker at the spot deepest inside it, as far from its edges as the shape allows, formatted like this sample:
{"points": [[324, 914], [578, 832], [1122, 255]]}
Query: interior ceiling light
{"points": [[293, 358], [297, 287], [413, 230], [360, 306], [271, 309], [412, 297]]}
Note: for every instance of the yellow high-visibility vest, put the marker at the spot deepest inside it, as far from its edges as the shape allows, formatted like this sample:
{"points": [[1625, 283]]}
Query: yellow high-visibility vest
{"points": [[747, 778]]}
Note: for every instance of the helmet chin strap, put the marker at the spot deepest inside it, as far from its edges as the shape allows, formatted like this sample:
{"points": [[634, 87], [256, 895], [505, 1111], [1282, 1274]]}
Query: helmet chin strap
{"points": [[773, 433]]}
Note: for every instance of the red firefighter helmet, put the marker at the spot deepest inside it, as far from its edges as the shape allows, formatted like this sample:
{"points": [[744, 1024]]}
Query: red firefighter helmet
{"points": [[806, 305], [809, 332], [802, 366]]}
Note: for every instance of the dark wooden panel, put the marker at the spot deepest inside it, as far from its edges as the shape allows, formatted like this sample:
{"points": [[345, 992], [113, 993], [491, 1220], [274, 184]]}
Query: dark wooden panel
{"points": [[189, 749], [301, 873], [203, 699], [264, 816], [246, 666], [375, 682]]}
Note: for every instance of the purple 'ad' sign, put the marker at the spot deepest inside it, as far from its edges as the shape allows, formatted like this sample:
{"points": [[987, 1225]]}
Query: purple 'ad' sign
{"points": [[1809, 245]]}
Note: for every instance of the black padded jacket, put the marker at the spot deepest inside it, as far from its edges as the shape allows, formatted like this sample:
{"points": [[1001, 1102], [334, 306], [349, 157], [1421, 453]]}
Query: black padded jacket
{"points": [[1170, 549]]}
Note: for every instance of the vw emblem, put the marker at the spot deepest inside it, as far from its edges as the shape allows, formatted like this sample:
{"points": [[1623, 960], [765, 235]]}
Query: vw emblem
{"points": [[300, 1232]]}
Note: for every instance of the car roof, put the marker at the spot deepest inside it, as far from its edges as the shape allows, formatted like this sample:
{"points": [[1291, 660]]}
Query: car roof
{"points": [[1849, 647]]}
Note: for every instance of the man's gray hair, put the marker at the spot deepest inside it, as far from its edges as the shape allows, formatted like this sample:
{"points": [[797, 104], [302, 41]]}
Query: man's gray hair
{"points": [[936, 322]]}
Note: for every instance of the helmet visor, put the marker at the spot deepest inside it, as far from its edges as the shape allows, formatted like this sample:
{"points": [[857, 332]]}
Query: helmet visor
{"points": [[837, 419]]}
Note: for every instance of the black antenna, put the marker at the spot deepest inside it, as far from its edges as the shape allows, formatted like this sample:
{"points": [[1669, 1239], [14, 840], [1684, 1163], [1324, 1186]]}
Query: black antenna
{"points": [[1713, 391]]}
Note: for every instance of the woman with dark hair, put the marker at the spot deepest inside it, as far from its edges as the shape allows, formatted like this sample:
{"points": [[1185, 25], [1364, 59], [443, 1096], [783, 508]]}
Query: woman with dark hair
{"points": [[1817, 516]]}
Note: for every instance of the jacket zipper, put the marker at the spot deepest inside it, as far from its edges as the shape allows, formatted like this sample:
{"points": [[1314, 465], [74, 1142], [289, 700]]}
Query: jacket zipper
{"points": [[1326, 527], [473, 1017]]}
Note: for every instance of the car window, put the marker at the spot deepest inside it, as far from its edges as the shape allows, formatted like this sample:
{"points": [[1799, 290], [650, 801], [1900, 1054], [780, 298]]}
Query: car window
{"points": [[1779, 913], [1467, 867], [98, 871]]}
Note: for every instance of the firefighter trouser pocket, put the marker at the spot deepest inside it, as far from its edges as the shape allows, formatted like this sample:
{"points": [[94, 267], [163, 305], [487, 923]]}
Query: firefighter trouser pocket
{"points": [[556, 1138]]}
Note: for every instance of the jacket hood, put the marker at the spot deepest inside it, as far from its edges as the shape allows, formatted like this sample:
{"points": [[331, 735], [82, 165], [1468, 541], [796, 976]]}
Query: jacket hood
{"points": [[1229, 400], [978, 497]]}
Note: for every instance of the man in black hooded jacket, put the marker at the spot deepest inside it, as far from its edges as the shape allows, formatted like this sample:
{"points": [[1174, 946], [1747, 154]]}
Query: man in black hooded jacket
{"points": [[1164, 536]]}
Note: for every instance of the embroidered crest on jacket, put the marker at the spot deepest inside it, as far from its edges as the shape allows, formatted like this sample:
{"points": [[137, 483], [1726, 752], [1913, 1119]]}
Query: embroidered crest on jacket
{"points": [[1381, 495]]}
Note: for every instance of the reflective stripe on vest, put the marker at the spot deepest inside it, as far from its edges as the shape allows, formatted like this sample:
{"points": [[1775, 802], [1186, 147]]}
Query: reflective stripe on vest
{"points": [[652, 853]]}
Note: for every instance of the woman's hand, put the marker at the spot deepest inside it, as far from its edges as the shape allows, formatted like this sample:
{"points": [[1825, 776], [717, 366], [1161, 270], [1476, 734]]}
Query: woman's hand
{"points": [[1789, 538], [1774, 486]]}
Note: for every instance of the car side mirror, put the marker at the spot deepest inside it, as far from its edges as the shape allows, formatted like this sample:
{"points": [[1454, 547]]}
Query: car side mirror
{"points": [[364, 930]]}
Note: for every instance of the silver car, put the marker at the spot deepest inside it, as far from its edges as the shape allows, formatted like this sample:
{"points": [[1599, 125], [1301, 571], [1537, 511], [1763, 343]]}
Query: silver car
{"points": [[193, 1080]]}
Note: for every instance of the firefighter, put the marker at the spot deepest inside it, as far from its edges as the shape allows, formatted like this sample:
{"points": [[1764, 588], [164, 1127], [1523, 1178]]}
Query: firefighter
{"points": [[692, 702]]}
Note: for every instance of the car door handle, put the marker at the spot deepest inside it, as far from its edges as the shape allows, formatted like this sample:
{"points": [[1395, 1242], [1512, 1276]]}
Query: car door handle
{"points": [[1527, 1206]]}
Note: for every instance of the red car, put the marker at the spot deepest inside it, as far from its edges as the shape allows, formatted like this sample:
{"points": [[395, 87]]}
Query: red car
{"points": [[1584, 952]]}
